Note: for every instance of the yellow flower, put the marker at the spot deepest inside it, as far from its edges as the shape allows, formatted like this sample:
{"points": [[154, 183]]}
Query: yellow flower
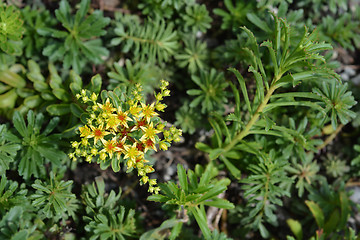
{"points": [[112, 122], [149, 145], [84, 142], [134, 110], [148, 111], [123, 117], [110, 147], [160, 107], [102, 156], [120, 147], [163, 146], [132, 152], [107, 107], [98, 133], [149, 133], [84, 131]]}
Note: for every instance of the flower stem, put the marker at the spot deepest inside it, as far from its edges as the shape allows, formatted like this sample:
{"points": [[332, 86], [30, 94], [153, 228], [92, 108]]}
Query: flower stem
{"points": [[253, 119]]}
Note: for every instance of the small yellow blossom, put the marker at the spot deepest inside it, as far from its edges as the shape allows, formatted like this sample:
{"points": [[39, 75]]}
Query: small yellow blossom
{"points": [[132, 152], [149, 132], [84, 142], [102, 156], [160, 107], [122, 117], [94, 97], [110, 147], [98, 133], [149, 144], [107, 108], [135, 110], [84, 131], [112, 122], [148, 111]]}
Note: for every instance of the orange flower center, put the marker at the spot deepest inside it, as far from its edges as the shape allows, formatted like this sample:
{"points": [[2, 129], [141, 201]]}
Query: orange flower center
{"points": [[121, 117], [149, 143], [98, 133]]}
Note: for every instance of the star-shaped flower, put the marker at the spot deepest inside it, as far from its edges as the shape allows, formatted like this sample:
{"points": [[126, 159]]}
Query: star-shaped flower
{"points": [[132, 152], [84, 131], [107, 108], [112, 122], [148, 111], [110, 147], [98, 133], [122, 117], [149, 132]]}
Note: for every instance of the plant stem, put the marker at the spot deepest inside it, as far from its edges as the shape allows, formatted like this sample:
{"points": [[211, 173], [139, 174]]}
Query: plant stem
{"points": [[253, 119], [330, 138]]}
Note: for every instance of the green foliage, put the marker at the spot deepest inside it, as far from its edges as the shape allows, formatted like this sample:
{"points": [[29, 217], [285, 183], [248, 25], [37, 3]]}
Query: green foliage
{"points": [[335, 167], [7, 151], [211, 94], [264, 183], [155, 41], [338, 101], [54, 198], [344, 30], [35, 20], [11, 196], [278, 149], [194, 55], [11, 29], [106, 219], [304, 172], [330, 209], [36, 147], [235, 16], [187, 118], [10, 225], [196, 18], [299, 139], [78, 44], [129, 75], [194, 194]]}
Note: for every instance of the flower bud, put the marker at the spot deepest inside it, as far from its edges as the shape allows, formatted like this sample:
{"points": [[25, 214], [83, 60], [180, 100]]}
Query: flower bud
{"points": [[93, 97], [145, 179], [103, 156], [160, 107], [163, 146], [152, 182], [75, 144]]}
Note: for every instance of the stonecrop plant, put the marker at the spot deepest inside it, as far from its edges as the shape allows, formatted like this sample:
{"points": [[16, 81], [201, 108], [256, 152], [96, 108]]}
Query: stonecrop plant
{"points": [[123, 129], [259, 138]]}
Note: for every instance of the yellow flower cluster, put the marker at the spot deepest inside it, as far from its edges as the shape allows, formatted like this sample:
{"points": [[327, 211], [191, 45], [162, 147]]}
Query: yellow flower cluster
{"points": [[124, 131]]}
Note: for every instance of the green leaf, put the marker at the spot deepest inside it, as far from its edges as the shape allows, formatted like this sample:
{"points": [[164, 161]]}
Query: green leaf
{"points": [[95, 85], [32, 101], [296, 228], [233, 170], [345, 209], [62, 94], [182, 178], [215, 153], [19, 124], [220, 203], [54, 155], [253, 18], [58, 109], [242, 86], [200, 218], [115, 164], [316, 212]]}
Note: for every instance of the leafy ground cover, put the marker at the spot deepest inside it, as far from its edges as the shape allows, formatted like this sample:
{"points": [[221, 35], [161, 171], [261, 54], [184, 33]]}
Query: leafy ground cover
{"points": [[179, 119]]}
